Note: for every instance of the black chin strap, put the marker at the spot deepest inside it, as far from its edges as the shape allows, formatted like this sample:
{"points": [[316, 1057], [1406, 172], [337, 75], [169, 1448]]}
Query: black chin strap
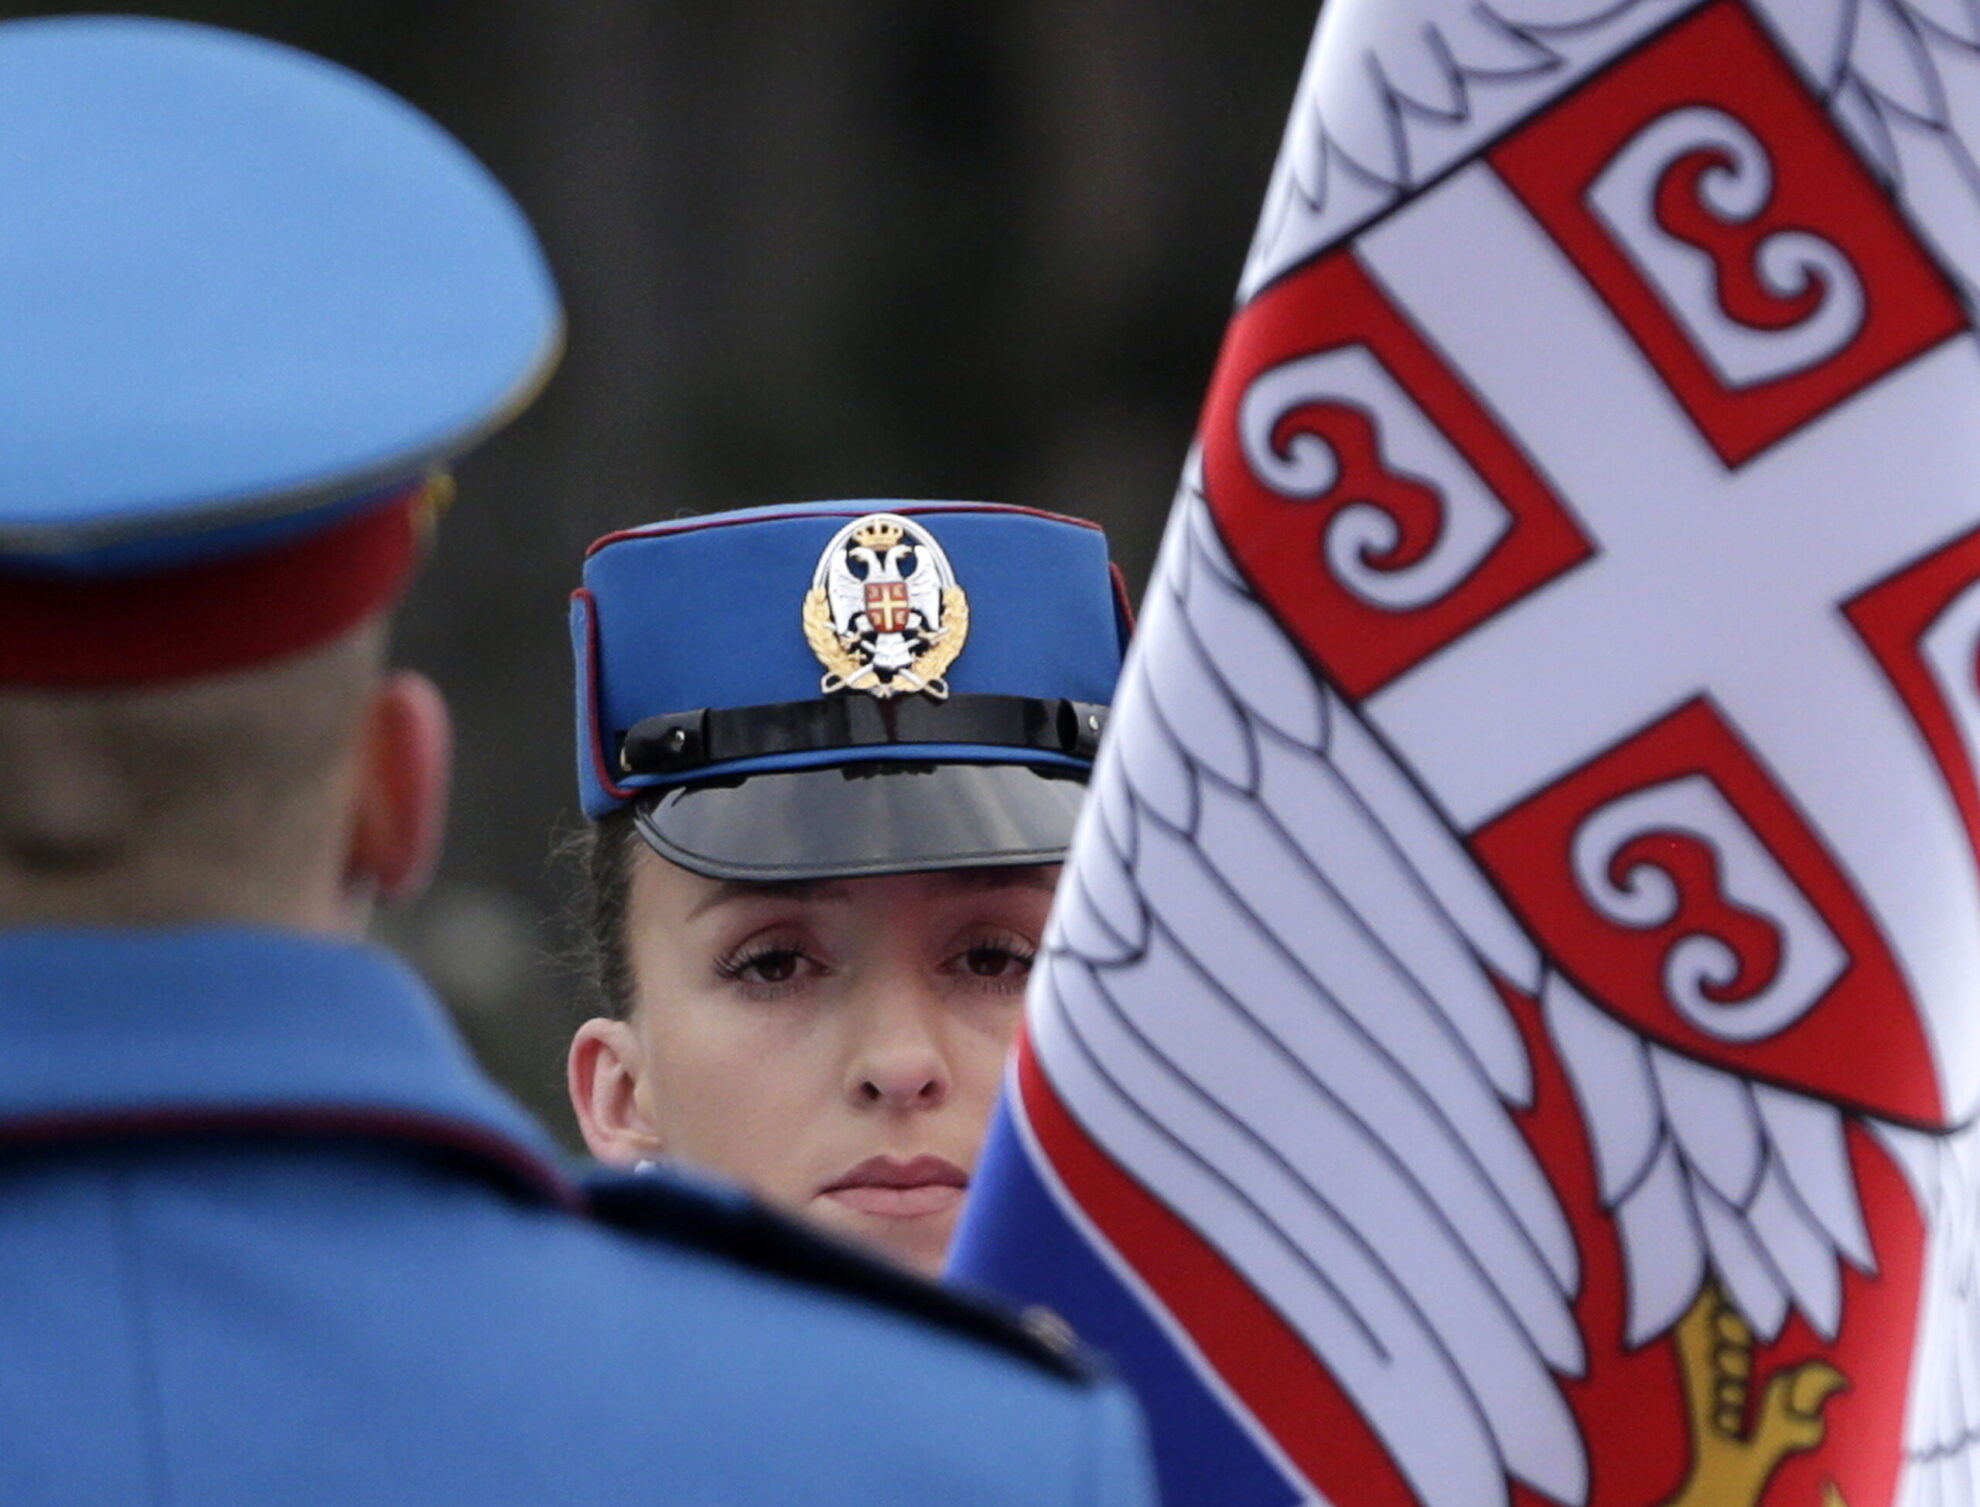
{"points": [[677, 741]]}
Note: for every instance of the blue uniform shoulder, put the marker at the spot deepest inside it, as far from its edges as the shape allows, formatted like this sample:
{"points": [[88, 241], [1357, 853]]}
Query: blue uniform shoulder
{"points": [[724, 1221]]}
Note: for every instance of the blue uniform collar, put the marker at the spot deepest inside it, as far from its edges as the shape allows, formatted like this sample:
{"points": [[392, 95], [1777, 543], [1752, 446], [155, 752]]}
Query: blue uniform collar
{"points": [[112, 1033]]}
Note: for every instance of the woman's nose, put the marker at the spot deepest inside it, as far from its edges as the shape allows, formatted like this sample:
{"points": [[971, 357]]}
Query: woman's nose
{"points": [[898, 1062]]}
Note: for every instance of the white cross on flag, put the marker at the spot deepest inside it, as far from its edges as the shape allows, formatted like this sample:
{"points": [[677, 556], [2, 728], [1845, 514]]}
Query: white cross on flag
{"points": [[1510, 1030]]}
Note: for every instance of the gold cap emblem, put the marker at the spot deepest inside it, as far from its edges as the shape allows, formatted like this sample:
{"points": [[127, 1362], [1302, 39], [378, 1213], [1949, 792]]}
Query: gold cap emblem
{"points": [[884, 614]]}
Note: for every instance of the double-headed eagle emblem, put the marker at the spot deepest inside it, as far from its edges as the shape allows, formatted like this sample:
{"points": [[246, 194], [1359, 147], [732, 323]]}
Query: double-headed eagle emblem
{"points": [[884, 614]]}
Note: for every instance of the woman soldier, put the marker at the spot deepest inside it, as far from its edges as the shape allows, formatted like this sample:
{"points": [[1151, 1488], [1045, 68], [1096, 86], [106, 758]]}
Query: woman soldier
{"points": [[834, 752]]}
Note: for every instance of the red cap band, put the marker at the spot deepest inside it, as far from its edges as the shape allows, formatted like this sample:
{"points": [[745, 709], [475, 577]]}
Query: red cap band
{"points": [[212, 617]]}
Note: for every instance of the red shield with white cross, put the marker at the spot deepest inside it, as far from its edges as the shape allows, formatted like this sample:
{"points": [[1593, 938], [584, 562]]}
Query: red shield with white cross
{"points": [[1623, 656], [887, 606]]}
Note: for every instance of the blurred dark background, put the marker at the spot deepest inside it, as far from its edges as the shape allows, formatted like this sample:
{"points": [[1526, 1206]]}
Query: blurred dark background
{"points": [[870, 248]]}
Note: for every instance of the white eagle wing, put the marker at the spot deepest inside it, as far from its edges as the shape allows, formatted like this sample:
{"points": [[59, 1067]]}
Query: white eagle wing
{"points": [[924, 588], [843, 589], [1269, 993], [1395, 91], [1709, 1172], [1942, 1417]]}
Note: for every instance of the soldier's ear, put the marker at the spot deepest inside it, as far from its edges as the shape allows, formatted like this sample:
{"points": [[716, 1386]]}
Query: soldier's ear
{"points": [[401, 800], [603, 1073]]}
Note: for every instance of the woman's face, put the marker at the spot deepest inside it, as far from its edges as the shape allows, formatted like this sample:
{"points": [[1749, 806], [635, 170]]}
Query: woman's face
{"points": [[835, 1045]]}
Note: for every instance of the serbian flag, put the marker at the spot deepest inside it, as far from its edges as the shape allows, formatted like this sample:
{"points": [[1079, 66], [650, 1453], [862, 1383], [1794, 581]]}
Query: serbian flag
{"points": [[1510, 1028]]}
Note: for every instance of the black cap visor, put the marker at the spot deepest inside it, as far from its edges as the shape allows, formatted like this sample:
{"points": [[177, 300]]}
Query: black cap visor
{"points": [[867, 818]]}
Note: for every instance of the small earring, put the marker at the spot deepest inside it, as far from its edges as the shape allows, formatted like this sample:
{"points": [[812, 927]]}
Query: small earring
{"points": [[645, 1164]]}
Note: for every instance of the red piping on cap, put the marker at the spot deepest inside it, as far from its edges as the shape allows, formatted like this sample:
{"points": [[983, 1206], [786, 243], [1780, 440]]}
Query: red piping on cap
{"points": [[1123, 603], [212, 617], [905, 510]]}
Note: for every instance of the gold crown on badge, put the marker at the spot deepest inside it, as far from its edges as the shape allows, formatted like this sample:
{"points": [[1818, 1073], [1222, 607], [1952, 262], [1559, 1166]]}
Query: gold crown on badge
{"points": [[877, 533], [884, 614]]}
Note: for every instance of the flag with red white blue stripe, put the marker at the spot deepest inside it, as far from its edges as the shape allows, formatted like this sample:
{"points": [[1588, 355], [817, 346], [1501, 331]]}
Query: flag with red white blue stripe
{"points": [[1510, 1025]]}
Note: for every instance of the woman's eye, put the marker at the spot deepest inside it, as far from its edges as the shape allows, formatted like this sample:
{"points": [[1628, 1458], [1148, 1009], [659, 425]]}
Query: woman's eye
{"points": [[767, 966], [778, 967], [993, 962], [996, 960]]}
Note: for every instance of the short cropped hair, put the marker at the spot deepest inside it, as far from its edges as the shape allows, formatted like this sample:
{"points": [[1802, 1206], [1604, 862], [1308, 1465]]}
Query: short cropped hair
{"points": [[203, 799]]}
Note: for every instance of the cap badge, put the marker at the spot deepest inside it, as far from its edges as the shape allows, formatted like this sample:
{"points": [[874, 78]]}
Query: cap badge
{"points": [[884, 614]]}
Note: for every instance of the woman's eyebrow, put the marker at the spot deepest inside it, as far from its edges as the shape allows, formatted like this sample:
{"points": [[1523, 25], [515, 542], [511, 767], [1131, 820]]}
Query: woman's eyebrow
{"points": [[1028, 876], [769, 889]]}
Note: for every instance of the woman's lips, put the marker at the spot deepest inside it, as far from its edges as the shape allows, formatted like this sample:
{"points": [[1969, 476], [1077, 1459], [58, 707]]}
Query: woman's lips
{"points": [[891, 1188]]}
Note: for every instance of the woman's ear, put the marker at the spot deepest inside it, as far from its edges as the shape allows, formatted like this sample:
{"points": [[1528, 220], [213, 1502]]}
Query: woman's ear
{"points": [[408, 752], [603, 1072]]}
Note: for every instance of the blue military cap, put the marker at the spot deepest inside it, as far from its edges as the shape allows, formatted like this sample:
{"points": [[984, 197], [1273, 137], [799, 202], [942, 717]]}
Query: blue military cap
{"points": [[847, 688], [251, 304]]}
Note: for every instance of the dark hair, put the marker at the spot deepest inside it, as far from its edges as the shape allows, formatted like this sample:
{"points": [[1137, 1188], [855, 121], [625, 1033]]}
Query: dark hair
{"points": [[605, 851]]}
